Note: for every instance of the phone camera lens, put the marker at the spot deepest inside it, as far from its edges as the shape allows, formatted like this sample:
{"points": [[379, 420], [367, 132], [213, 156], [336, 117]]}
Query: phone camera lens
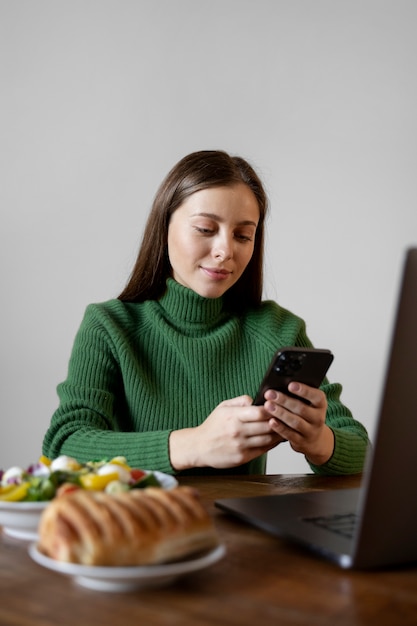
{"points": [[283, 366]]}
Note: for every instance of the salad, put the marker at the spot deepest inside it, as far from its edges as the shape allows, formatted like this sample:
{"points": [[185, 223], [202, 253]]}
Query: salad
{"points": [[48, 478]]}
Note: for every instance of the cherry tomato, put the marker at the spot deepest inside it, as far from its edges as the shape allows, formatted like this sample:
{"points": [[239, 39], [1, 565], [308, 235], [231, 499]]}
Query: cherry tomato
{"points": [[137, 474]]}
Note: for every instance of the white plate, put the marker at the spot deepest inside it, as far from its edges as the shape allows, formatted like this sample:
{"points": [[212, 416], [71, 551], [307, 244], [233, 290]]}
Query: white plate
{"points": [[20, 519], [117, 579]]}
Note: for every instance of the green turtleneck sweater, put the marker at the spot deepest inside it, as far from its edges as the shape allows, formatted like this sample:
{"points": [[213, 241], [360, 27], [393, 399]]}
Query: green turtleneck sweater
{"points": [[138, 371]]}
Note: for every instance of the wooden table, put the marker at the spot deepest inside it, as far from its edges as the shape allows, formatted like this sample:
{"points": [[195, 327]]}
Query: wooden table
{"points": [[261, 580]]}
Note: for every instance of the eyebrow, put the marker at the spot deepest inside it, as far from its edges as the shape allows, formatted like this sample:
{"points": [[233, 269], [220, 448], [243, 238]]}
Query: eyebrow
{"points": [[214, 216]]}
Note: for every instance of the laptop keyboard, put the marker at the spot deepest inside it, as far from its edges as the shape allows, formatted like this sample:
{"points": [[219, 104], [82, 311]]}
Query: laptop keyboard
{"points": [[341, 524]]}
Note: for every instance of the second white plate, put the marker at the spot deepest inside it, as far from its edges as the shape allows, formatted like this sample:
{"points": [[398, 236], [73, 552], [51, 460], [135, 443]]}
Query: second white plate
{"points": [[20, 519]]}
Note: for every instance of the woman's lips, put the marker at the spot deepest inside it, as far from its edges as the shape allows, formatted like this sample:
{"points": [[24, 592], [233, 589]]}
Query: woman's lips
{"points": [[216, 274]]}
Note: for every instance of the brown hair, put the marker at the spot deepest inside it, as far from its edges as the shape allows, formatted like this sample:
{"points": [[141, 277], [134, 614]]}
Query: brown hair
{"points": [[199, 170]]}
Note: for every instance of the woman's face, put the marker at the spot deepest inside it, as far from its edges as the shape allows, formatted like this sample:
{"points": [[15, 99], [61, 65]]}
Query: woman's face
{"points": [[211, 238]]}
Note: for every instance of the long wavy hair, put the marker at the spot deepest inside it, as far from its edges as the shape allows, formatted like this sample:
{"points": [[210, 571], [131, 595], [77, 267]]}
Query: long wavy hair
{"points": [[199, 170]]}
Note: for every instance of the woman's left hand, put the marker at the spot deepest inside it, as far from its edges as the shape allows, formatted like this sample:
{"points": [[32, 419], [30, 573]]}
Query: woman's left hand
{"points": [[303, 425]]}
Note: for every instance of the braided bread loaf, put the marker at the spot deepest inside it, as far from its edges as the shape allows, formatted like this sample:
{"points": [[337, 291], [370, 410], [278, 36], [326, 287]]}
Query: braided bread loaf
{"points": [[139, 527]]}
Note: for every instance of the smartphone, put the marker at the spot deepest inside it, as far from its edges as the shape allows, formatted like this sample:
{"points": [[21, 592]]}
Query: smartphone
{"points": [[304, 365]]}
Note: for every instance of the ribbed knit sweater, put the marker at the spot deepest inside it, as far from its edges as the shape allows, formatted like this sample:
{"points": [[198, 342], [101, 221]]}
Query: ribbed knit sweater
{"points": [[138, 371]]}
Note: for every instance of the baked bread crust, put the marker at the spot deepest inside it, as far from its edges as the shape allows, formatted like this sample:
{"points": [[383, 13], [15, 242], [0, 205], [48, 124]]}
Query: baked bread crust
{"points": [[139, 527]]}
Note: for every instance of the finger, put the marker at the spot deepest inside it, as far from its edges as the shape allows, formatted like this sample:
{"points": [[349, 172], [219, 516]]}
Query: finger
{"points": [[291, 414], [286, 423], [288, 409], [239, 401], [251, 413], [264, 442], [283, 429], [252, 429], [314, 397]]}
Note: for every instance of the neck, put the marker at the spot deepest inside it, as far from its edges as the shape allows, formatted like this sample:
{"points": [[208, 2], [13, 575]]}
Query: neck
{"points": [[184, 306]]}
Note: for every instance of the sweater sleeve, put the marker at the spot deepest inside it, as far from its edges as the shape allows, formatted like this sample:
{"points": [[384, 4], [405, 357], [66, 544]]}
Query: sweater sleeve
{"points": [[85, 425], [351, 440], [350, 437]]}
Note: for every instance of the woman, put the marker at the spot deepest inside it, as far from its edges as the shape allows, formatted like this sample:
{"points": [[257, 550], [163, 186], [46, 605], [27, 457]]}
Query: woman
{"points": [[166, 373]]}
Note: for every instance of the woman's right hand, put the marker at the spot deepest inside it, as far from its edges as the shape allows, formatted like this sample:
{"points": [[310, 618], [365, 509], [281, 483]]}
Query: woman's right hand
{"points": [[235, 432]]}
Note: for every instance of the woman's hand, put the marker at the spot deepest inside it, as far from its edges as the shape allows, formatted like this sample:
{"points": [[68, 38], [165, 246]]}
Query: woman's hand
{"points": [[234, 433], [303, 425]]}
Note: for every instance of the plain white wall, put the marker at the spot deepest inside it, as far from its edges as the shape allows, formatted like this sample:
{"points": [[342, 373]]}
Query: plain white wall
{"points": [[99, 98]]}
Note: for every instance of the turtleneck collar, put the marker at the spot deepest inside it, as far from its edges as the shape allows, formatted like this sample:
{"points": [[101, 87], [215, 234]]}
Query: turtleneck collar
{"points": [[182, 305]]}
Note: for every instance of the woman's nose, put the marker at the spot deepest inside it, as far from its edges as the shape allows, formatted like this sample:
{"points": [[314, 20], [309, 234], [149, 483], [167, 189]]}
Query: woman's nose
{"points": [[223, 248]]}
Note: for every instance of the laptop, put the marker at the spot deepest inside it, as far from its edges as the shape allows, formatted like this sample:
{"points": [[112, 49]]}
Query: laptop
{"points": [[374, 525]]}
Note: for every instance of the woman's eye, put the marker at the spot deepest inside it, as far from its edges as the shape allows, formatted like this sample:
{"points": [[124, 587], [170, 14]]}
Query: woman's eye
{"points": [[207, 231], [242, 237], [204, 231]]}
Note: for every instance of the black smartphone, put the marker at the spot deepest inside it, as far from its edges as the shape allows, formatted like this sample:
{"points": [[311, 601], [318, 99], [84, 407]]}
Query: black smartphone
{"points": [[304, 365]]}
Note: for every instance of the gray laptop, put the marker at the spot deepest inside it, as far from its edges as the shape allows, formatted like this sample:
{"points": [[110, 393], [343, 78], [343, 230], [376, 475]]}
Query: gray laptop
{"points": [[376, 524]]}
